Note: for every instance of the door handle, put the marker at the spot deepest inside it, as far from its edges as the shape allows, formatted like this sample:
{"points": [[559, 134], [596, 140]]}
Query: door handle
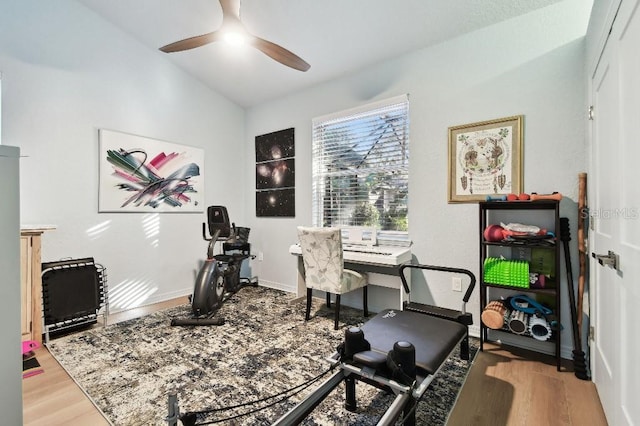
{"points": [[610, 259]]}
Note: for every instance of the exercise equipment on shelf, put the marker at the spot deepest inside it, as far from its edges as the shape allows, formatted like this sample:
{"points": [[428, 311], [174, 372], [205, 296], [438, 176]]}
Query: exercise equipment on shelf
{"points": [[518, 322], [521, 315], [539, 328], [493, 315], [506, 272], [579, 361]]}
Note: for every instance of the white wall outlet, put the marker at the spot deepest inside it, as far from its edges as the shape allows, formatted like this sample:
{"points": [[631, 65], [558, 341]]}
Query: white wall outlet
{"points": [[456, 284], [260, 256]]}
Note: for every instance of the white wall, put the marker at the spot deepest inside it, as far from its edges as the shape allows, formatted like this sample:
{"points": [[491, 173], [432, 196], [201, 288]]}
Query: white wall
{"points": [[66, 73], [531, 65]]}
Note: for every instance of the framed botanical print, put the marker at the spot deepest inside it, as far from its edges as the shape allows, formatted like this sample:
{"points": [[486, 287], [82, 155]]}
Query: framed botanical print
{"points": [[485, 159]]}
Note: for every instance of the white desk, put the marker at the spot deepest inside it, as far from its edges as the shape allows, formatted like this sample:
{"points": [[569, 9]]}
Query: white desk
{"points": [[381, 264]]}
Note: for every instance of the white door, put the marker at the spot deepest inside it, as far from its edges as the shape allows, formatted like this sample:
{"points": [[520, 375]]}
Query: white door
{"points": [[615, 209]]}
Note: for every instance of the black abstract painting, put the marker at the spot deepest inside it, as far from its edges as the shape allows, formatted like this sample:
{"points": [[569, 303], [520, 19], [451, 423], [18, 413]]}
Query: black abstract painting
{"points": [[275, 174]]}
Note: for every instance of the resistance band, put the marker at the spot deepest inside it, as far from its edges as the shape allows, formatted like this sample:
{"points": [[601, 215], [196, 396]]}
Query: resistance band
{"points": [[518, 303]]}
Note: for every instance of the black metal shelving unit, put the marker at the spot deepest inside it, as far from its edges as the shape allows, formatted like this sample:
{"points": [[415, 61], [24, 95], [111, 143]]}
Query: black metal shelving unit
{"points": [[543, 213]]}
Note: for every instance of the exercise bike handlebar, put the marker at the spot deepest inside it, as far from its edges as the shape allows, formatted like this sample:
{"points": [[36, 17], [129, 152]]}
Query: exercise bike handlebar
{"points": [[212, 240], [472, 278], [214, 237]]}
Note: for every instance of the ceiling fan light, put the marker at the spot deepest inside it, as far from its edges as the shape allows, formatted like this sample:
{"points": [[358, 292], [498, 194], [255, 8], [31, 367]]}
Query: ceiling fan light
{"points": [[235, 38]]}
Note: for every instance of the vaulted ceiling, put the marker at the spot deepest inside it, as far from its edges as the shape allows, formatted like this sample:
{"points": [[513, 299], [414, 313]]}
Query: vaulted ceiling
{"points": [[336, 37]]}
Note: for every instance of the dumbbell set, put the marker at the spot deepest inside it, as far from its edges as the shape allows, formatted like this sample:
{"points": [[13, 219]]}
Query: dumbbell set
{"points": [[534, 196]]}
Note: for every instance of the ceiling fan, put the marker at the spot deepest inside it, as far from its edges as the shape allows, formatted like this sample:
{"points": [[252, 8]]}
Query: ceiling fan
{"points": [[232, 30]]}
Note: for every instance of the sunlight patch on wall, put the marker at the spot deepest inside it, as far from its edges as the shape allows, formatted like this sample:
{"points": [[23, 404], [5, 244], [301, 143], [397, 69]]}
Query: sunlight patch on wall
{"points": [[151, 228], [493, 50], [130, 294], [96, 231]]}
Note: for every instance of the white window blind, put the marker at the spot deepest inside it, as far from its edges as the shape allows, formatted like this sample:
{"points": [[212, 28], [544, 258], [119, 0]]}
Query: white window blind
{"points": [[361, 166]]}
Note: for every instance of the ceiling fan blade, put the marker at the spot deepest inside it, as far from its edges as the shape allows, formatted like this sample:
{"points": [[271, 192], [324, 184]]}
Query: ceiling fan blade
{"points": [[279, 53], [192, 42], [231, 24]]}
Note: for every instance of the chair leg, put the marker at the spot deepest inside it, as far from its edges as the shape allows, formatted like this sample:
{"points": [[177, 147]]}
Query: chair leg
{"points": [[328, 300], [335, 326], [365, 301], [308, 311]]}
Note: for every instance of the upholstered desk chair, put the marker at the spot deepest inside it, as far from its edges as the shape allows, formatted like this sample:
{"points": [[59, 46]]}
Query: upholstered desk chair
{"points": [[324, 267]]}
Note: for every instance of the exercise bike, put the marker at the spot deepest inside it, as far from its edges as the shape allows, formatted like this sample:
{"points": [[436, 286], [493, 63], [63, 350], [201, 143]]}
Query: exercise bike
{"points": [[219, 278]]}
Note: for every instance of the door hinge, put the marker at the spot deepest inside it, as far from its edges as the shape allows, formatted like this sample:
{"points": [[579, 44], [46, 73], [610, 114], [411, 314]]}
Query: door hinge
{"points": [[590, 112], [592, 333]]}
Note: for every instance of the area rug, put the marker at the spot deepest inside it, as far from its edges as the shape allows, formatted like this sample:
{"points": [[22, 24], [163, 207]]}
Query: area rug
{"points": [[128, 369]]}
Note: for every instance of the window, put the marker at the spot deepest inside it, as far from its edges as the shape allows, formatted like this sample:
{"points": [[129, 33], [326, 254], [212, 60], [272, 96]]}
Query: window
{"points": [[361, 167]]}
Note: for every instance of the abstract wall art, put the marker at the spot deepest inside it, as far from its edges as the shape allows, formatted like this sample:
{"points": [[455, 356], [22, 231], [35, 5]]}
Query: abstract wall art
{"points": [[275, 174], [140, 174]]}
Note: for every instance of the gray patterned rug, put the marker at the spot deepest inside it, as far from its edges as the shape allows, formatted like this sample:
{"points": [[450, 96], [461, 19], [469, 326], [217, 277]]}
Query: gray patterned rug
{"points": [[265, 347]]}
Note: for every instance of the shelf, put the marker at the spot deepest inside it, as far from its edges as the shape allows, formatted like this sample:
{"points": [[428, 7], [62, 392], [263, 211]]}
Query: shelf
{"points": [[508, 339], [519, 205], [544, 214], [550, 290], [530, 244]]}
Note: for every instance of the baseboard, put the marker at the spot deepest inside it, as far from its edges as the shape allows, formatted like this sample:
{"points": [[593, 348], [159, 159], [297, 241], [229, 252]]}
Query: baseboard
{"points": [[153, 300], [277, 286], [474, 331], [188, 291], [566, 352]]}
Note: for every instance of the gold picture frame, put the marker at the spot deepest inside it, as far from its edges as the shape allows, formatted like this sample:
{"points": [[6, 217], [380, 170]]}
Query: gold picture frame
{"points": [[485, 159]]}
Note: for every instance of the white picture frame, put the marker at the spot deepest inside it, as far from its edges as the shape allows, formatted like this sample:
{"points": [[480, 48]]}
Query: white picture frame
{"points": [[141, 174]]}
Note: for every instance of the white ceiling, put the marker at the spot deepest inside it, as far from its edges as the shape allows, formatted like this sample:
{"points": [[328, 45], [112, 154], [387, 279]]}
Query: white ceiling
{"points": [[336, 37]]}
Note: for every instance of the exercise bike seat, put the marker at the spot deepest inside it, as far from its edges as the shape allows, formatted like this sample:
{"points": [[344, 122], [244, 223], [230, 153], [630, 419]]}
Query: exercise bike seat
{"points": [[240, 246], [434, 338]]}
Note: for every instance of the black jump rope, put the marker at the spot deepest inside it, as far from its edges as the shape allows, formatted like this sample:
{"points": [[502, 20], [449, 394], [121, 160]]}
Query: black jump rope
{"points": [[190, 418]]}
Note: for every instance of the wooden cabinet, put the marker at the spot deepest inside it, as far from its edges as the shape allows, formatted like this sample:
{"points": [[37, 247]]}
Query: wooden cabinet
{"points": [[25, 287], [526, 266], [31, 281]]}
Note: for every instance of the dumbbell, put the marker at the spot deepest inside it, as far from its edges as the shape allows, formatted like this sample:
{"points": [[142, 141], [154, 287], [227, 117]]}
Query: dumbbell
{"points": [[516, 197], [496, 198], [553, 196]]}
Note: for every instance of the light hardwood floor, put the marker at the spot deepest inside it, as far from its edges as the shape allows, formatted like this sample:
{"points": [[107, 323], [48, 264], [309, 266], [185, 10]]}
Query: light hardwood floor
{"points": [[517, 387], [53, 398], [504, 387]]}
